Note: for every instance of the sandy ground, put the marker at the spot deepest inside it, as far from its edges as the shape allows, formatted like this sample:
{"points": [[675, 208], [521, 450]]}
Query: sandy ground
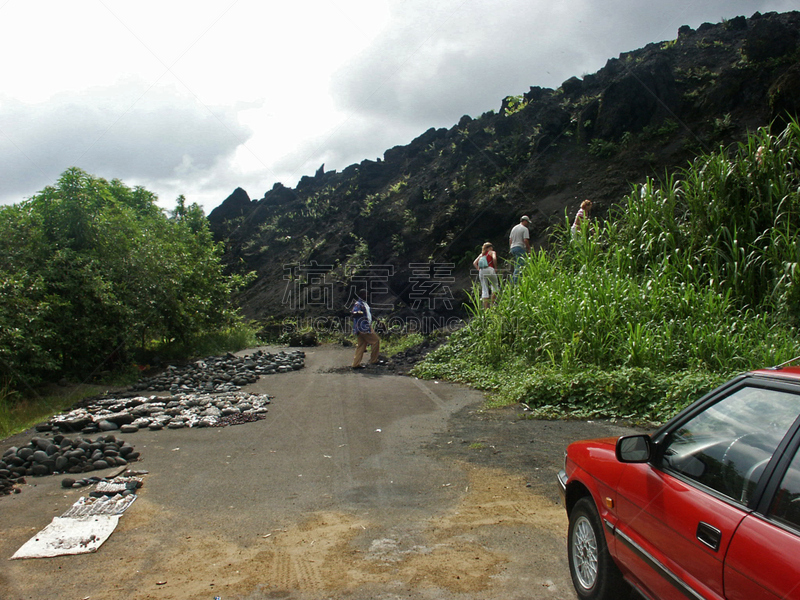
{"points": [[356, 486]]}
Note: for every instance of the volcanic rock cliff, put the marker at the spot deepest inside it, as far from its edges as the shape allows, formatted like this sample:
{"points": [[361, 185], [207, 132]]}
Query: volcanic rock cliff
{"points": [[408, 226]]}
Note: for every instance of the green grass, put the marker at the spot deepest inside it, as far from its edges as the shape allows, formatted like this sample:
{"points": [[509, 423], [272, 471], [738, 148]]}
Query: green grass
{"points": [[690, 280], [391, 345], [209, 344], [18, 413]]}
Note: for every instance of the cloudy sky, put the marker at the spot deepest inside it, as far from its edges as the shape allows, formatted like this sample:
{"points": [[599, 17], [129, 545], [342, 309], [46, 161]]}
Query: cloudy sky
{"points": [[201, 97]]}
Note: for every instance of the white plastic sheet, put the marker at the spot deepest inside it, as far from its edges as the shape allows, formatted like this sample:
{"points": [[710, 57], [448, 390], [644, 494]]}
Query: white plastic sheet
{"points": [[81, 529], [69, 535]]}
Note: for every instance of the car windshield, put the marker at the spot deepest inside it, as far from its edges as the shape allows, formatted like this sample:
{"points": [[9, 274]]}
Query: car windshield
{"points": [[727, 446]]}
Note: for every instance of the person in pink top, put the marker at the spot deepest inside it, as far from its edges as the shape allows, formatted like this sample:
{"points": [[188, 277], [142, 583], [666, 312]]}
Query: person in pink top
{"points": [[582, 214], [486, 263]]}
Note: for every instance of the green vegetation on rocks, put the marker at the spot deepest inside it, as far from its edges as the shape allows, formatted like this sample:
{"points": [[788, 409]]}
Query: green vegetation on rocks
{"points": [[689, 281]]}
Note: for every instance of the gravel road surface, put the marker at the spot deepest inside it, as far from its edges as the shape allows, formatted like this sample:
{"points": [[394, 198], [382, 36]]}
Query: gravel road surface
{"points": [[357, 485]]}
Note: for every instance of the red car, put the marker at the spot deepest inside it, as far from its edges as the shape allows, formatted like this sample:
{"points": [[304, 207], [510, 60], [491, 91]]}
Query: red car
{"points": [[707, 507]]}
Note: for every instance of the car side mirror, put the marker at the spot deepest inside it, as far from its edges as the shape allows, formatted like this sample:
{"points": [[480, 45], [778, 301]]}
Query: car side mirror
{"points": [[634, 449]]}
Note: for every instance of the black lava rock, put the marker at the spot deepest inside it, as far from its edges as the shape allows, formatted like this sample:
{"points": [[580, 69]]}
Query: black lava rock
{"points": [[41, 457]]}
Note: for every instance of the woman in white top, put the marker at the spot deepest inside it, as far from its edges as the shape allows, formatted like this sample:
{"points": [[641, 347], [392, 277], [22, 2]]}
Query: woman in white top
{"points": [[487, 273]]}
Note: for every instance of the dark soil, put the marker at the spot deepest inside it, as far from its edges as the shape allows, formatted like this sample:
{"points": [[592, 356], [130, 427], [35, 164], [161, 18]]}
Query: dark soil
{"points": [[507, 439]]}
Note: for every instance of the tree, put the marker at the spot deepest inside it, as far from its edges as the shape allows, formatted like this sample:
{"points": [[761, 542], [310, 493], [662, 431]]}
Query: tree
{"points": [[94, 268]]}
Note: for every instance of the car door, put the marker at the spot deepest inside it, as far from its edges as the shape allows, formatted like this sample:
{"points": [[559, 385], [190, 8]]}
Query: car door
{"points": [[678, 514], [672, 537], [762, 563]]}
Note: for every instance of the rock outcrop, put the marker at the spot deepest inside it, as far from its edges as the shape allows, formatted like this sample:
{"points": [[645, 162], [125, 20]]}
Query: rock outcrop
{"points": [[435, 200]]}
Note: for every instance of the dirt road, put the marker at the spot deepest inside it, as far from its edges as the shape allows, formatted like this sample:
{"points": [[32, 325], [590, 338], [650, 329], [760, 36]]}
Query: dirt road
{"points": [[356, 486]]}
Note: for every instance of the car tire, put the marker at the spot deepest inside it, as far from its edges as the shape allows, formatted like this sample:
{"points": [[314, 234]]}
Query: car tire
{"points": [[594, 573]]}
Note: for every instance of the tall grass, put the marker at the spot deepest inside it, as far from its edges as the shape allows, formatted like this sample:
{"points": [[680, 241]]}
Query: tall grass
{"points": [[18, 413], [690, 279], [210, 343]]}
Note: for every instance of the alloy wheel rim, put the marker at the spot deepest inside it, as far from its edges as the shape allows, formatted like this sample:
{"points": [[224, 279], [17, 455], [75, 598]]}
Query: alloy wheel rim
{"points": [[584, 553]]}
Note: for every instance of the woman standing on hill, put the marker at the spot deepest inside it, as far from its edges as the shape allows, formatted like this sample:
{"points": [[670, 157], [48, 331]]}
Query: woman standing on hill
{"points": [[486, 263], [583, 214]]}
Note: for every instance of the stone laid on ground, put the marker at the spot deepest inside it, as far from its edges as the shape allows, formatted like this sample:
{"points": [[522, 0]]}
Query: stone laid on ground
{"points": [[129, 415], [107, 486], [205, 393], [220, 374], [60, 454], [8, 484]]}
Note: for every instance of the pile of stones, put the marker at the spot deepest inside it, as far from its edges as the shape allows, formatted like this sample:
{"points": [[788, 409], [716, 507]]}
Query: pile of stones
{"points": [[60, 454], [205, 393], [8, 484], [402, 362], [220, 374], [129, 415]]}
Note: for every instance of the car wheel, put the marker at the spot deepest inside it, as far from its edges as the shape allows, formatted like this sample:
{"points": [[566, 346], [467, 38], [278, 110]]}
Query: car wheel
{"points": [[594, 573]]}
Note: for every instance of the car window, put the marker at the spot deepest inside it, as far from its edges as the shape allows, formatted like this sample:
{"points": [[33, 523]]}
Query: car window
{"points": [[786, 505], [727, 446]]}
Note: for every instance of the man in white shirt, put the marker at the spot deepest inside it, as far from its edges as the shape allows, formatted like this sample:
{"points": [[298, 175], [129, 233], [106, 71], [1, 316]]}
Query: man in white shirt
{"points": [[520, 242]]}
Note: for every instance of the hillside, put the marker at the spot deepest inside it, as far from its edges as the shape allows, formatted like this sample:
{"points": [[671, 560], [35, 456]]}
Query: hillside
{"points": [[418, 216]]}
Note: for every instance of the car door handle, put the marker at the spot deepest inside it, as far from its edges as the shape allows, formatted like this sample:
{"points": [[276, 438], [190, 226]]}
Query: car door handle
{"points": [[709, 535]]}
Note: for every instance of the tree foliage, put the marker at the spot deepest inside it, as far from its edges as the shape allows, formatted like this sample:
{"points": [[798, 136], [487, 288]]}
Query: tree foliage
{"points": [[93, 269]]}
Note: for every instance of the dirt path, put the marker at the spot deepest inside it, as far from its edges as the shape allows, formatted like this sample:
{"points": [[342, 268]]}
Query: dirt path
{"points": [[356, 485]]}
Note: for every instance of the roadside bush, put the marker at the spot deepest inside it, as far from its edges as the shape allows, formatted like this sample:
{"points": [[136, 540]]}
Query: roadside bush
{"points": [[626, 393]]}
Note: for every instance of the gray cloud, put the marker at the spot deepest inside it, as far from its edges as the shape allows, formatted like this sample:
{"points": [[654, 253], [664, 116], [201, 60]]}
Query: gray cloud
{"points": [[439, 61], [464, 57], [123, 131], [359, 137]]}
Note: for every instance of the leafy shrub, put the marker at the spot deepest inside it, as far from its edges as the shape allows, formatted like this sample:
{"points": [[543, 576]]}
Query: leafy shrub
{"points": [[628, 393], [514, 104], [93, 269], [602, 148]]}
